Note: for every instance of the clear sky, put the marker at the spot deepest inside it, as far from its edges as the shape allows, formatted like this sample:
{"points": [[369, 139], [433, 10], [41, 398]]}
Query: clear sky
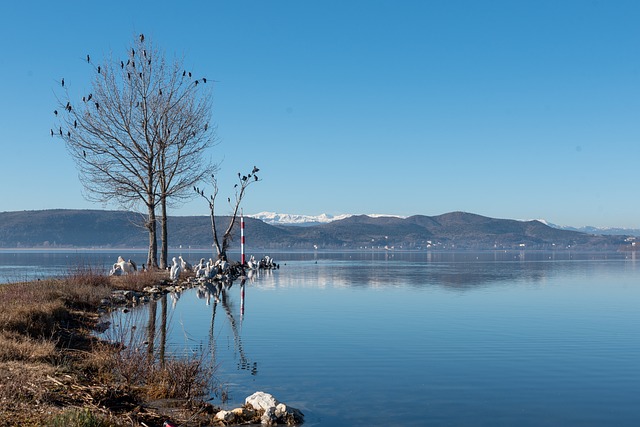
{"points": [[509, 109]]}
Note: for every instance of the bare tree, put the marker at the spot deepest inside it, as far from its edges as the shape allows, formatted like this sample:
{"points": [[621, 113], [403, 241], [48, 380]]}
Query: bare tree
{"points": [[140, 134], [244, 181]]}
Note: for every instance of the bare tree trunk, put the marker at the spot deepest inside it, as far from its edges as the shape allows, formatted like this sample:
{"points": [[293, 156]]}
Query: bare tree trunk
{"points": [[163, 234], [215, 232], [152, 258]]}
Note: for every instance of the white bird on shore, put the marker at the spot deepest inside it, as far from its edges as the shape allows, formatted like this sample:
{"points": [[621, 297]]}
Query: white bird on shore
{"points": [[126, 267], [115, 270], [184, 264], [174, 273]]}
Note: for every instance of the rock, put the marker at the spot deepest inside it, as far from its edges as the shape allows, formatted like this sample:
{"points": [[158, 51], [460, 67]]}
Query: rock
{"points": [[269, 417], [261, 400], [226, 416], [274, 411]]}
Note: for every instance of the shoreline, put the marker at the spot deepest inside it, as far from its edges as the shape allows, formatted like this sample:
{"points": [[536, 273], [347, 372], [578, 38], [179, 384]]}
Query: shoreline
{"points": [[58, 372]]}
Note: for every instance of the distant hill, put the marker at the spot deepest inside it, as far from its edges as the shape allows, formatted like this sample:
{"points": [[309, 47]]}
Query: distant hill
{"points": [[455, 230]]}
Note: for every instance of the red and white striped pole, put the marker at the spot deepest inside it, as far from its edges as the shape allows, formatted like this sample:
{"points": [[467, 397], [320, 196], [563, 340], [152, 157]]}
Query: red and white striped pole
{"points": [[242, 258]]}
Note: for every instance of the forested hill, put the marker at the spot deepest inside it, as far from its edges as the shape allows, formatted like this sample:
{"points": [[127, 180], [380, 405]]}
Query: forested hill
{"points": [[456, 230]]}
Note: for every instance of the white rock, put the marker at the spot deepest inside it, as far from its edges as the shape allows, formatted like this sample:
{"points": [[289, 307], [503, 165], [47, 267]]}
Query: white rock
{"points": [[261, 400]]}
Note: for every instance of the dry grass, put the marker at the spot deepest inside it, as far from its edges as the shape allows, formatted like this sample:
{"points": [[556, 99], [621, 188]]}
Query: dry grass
{"points": [[139, 281], [54, 372]]}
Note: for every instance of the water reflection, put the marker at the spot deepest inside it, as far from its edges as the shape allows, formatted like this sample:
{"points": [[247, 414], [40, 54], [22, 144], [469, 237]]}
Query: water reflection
{"points": [[218, 292]]}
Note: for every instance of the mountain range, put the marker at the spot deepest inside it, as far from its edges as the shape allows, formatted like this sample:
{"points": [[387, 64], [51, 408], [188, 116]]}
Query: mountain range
{"points": [[455, 230], [274, 218]]}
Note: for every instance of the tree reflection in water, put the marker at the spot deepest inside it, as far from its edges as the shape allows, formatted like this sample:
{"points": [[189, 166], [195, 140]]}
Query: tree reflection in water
{"points": [[218, 292]]}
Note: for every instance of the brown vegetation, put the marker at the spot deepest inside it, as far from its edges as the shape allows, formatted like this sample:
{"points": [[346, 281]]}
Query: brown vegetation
{"points": [[55, 372]]}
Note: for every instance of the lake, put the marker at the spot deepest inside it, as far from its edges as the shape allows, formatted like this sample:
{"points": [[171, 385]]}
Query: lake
{"points": [[437, 339]]}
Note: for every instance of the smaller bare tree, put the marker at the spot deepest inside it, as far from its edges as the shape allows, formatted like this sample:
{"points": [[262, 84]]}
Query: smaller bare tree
{"points": [[244, 181]]}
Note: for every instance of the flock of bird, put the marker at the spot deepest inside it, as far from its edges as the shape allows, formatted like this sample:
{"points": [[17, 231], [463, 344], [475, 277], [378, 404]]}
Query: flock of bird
{"points": [[131, 68], [219, 270]]}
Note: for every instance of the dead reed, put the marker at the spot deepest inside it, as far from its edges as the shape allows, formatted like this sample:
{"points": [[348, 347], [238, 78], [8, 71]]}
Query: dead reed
{"points": [[55, 372]]}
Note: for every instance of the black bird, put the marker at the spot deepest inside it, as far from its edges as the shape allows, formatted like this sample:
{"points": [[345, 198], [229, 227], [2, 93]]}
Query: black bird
{"points": [[55, 112], [141, 38], [97, 106], [189, 74], [129, 76], [196, 83], [184, 73], [84, 99], [133, 52], [98, 69], [89, 98], [160, 92], [75, 123], [149, 62], [69, 108], [60, 131], [255, 169], [229, 199], [255, 177], [68, 134], [88, 58], [128, 61], [204, 79], [51, 132], [137, 104], [140, 74], [62, 82], [84, 153], [133, 64], [121, 64], [206, 126], [144, 52]]}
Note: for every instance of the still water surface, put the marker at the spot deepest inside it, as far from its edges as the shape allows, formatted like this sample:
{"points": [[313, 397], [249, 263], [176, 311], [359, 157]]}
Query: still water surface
{"points": [[440, 339]]}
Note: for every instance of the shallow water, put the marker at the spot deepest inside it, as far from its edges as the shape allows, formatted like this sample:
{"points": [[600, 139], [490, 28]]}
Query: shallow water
{"points": [[362, 339]]}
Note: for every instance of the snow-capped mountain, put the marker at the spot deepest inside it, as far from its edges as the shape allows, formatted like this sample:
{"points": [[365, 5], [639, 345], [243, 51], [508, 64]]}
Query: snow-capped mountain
{"points": [[274, 218], [596, 230]]}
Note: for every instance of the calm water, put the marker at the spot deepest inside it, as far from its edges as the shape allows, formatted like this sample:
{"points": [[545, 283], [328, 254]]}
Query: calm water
{"points": [[495, 339]]}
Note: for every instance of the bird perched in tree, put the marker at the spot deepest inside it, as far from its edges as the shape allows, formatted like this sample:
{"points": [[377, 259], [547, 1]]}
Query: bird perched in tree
{"points": [[60, 131], [98, 69], [121, 64], [141, 38], [55, 112], [255, 169], [62, 82], [204, 80], [97, 106], [89, 97], [75, 123], [196, 83], [51, 132], [88, 58]]}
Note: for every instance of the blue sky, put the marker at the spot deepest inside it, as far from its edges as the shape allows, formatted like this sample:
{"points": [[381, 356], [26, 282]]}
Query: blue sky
{"points": [[509, 109]]}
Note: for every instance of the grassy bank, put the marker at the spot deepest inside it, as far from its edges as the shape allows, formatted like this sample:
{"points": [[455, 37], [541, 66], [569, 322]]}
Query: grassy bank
{"points": [[55, 372]]}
